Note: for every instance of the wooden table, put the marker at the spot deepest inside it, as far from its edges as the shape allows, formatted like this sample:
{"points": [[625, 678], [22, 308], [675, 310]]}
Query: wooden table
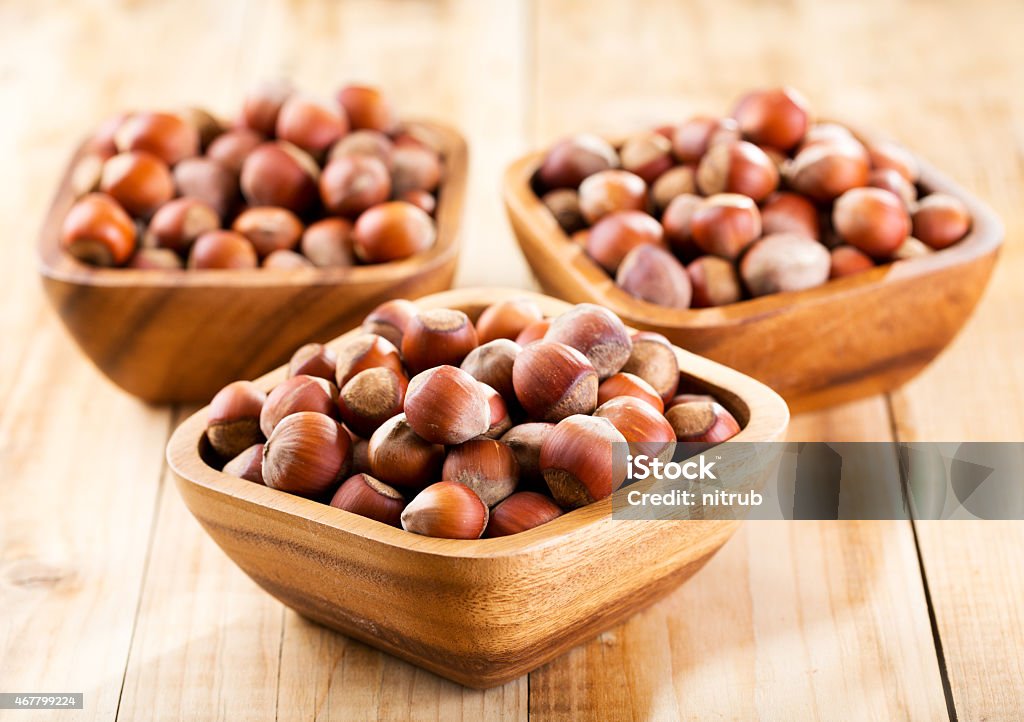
{"points": [[108, 586]]}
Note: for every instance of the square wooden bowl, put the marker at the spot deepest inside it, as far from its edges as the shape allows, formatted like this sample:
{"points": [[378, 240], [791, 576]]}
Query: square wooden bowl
{"points": [[182, 335], [849, 338], [479, 612]]}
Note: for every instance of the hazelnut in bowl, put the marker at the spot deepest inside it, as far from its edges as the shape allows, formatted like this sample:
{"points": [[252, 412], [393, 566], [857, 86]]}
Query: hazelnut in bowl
{"points": [[440, 486], [829, 263], [183, 251]]}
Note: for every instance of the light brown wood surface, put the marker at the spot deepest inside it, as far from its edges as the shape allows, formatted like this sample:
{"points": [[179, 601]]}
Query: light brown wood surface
{"points": [[108, 585]]}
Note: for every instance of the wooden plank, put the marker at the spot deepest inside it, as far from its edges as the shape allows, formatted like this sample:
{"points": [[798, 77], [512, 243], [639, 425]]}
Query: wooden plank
{"points": [[81, 461], [975, 569], [208, 639], [790, 620]]}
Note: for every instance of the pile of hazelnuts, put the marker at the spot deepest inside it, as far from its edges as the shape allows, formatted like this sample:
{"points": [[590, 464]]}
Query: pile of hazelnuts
{"points": [[293, 182], [452, 429], [715, 210]]}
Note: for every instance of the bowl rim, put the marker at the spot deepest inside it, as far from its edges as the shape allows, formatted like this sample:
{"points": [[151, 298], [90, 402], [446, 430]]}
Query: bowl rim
{"points": [[763, 413], [57, 265], [526, 209]]}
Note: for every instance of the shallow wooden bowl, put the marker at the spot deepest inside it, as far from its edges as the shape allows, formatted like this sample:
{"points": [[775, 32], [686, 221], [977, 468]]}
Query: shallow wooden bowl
{"points": [[849, 338], [478, 612], [182, 335]]}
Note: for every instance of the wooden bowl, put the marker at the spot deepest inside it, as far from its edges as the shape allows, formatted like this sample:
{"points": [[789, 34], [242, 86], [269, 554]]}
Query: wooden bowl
{"points": [[181, 336], [479, 612], [849, 338]]}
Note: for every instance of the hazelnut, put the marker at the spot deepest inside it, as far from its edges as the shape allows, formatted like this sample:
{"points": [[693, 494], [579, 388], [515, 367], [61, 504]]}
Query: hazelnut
{"points": [[445, 405], [725, 224], [414, 168], [631, 385], [597, 333], [85, 176], [103, 142], [911, 248], [328, 243], [371, 143], [691, 140], [776, 117], [564, 205], [166, 136], [283, 259], [398, 456], [298, 393], [392, 231], [553, 381], [205, 123], [686, 398], [177, 224], [941, 220], [677, 220], [360, 455], [648, 155], [525, 441], [365, 351], [390, 319], [849, 261], [654, 360], [737, 167], [367, 108], [269, 229], [824, 171], [506, 319], [97, 230], [222, 249], [611, 190], [784, 262], [500, 420], [521, 511], [437, 337], [248, 465], [714, 281], [263, 103], [534, 332], [871, 219], [641, 425], [139, 181], [208, 181], [678, 181], [617, 234], [156, 259], [789, 213], [230, 149], [363, 495], [448, 510], [826, 133], [280, 174], [370, 398], [351, 184], [308, 454], [423, 200], [887, 155], [486, 466], [702, 421], [652, 274], [491, 363], [233, 419], [571, 160], [890, 180], [309, 124], [580, 461], [313, 359]]}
